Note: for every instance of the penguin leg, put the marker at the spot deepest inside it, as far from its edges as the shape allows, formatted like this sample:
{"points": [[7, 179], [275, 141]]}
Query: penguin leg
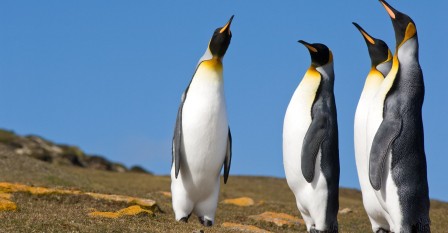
{"points": [[308, 221], [381, 230], [323, 220], [205, 209], [185, 219], [305, 215], [313, 230], [322, 225], [379, 225], [182, 205], [182, 209], [205, 222]]}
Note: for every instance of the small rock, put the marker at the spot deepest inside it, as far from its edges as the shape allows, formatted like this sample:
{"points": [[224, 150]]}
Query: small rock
{"points": [[7, 205], [198, 231], [244, 228], [345, 211], [6, 196], [278, 219], [148, 203], [12, 188], [242, 201], [166, 194], [129, 211], [5, 202]]}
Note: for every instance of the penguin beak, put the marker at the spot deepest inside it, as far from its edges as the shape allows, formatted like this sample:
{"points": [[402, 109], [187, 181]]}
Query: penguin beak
{"points": [[227, 26], [366, 36], [390, 10], [404, 27], [308, 46]]}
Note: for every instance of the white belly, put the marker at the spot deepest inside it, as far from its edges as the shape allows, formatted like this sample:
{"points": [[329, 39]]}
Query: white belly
{"points": [[360, 137], [375, 211], [309, 196], [205, 130], [372, 84], [388, 197]]}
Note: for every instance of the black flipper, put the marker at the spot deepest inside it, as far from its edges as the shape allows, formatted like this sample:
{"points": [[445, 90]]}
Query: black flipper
{"points": [[177, 138], [382, 143], [228, 158], [316, 134]]}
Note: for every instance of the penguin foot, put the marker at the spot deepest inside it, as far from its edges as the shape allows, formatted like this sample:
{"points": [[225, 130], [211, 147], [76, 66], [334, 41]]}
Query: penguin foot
{"points": [[327, 231], [381, 230], [314, 230], [205, 222], [185, 219]]}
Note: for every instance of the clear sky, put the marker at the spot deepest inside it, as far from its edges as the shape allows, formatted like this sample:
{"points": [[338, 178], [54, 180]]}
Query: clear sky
{"points": [[108, 75]]}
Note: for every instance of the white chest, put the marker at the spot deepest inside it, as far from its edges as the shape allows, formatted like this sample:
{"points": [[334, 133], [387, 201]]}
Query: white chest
{"points": [[204, 123], [371, 87], [296, 123]]}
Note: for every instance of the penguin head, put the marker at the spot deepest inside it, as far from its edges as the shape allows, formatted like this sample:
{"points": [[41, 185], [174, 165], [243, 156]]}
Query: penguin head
{"points": [[320, 53], [404, 26], [220, 40], [378, 50]]}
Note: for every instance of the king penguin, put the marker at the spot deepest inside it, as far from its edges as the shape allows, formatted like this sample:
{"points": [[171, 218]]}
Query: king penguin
{"points": [[381, 63], [397, 162], [202, 143], [310, 143]]}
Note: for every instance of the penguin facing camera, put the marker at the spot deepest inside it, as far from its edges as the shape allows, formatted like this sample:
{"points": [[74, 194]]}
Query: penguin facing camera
{"points": [[202, 143]]}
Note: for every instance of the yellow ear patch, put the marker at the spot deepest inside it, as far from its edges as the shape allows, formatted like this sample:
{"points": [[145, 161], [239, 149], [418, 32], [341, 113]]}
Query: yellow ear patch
{"points": [[410, 31], [389, 11], [330, 59], [389, 55]]}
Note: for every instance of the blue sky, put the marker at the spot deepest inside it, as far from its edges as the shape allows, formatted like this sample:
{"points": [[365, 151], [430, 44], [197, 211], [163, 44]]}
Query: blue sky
{"points": [[108, 75]]}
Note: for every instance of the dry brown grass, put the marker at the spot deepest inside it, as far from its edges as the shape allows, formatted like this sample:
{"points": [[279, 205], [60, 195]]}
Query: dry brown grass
{"points": [[69, 213]]}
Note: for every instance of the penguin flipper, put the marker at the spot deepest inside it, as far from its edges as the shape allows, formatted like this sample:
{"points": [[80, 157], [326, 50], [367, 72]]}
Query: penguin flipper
{"points": [[316, 134], [178, 135], [228, 158], [177, 138], [382, 143]]}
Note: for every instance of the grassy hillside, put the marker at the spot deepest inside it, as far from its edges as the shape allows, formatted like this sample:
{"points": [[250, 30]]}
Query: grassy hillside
{"points": [[69, 213]]}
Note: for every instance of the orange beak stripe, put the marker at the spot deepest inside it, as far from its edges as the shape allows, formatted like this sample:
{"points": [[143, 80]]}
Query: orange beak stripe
{"points": [[311, 48], [368, 37], [391, 13]]}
